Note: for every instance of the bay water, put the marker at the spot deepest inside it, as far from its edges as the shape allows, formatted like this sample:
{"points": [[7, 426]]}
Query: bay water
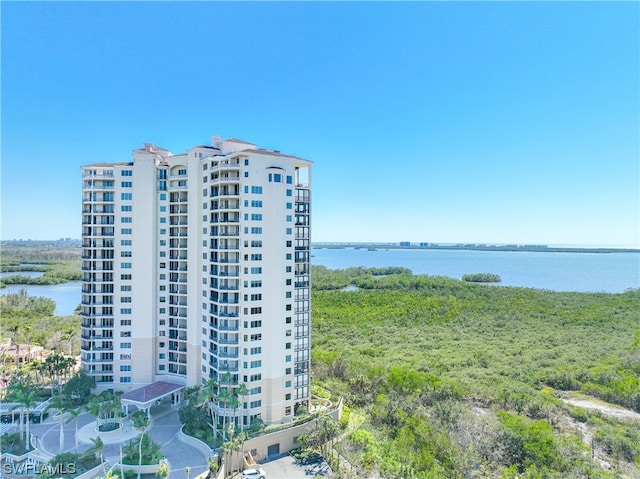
{"points": [[556, 271]]}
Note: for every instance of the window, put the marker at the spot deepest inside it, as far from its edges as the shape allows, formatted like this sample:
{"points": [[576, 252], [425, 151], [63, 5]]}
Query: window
{"points": [[126, 196], [287, 307], [125, 379], [125, 345], [163, 209], [287, 346], [254, 404], [256, 364], [255, 377], [256, 257], [256, 284], [246, 162], [125, 242], [162, 355], [163, 231], [256, 190], [125, 299], [289, 179], [256, 243], [256, 270], [126, 173], [125, 334], [125, 254], [288, 256], [256, 310], [289, 219], [163, 219], [287, 358], [182, 171], [289, 206], [126, 184], [125, 276], [256, 297], [256, 231], [287, 294], [256, 350], [125, 322], [163, 196], [288, 231], [125, 265], [126, 208], [256, 337], [256, 390], [125, 231], [256, 217], [256, 203], [125, 367], [125, 310], [287, 371], [289, 193]]}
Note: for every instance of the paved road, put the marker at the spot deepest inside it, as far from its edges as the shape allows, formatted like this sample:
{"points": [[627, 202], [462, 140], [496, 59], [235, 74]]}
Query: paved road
{"points": [[164, 430]]}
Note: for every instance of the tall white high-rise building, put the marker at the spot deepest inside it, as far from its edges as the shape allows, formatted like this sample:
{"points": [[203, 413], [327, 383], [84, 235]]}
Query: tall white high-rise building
{"points": [[196, 266]]}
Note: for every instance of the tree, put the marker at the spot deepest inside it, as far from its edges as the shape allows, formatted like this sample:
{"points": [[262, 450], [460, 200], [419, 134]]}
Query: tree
{"points": [[59, 403], [106, 409], [141, 421], [79, 387], [22, 391], [207, 396], [241, 392], [97, 448]]}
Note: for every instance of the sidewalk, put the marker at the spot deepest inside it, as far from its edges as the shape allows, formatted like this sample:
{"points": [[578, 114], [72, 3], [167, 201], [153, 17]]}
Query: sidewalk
{"points": [[164, 429]]}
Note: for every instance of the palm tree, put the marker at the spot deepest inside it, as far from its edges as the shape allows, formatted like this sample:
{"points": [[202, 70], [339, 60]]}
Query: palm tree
{"points": [[140, 420], [74, 412], [207, 397], [29, 401], [98, 448], [60, 404], [241, 392]]}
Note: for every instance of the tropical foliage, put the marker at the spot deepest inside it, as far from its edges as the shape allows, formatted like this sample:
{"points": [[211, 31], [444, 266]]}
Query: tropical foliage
{"points": [[458, 379]]}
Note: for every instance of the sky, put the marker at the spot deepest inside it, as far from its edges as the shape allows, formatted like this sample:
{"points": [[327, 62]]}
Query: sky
{"points": [[497, 122]]}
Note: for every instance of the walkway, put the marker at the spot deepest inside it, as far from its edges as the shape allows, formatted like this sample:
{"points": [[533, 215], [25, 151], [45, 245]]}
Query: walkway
{"points": [[164, 430]]}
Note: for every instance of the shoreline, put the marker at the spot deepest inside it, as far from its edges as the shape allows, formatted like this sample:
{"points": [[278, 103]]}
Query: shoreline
{"points": [[473, 247]]}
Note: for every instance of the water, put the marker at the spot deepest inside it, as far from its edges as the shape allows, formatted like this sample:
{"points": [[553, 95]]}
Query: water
{"points": [[583, 272], [67, 296]]}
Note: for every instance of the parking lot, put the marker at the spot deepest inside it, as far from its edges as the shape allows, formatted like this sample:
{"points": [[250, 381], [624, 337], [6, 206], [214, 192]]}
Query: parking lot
{"points": [[286, 468]]}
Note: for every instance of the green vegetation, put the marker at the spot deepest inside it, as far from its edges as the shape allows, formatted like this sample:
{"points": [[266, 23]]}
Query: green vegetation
{"points": [[60, 263], [482, 278], [457, 379], [13, 444], [151, 453], [31, 320]]}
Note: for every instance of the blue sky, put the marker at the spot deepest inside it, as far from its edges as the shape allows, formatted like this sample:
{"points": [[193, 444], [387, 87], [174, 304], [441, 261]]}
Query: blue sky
{"points": [[498, 122]]}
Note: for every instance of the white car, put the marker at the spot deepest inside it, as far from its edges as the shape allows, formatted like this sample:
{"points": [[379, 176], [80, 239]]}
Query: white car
{"points": [[258, 473]]}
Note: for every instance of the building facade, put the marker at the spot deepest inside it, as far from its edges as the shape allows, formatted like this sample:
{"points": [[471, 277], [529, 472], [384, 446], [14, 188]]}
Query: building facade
{"points": [[196, 266]]}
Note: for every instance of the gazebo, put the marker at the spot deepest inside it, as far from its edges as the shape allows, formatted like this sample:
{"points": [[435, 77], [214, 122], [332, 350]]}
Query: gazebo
{"points": [[145, 397]]}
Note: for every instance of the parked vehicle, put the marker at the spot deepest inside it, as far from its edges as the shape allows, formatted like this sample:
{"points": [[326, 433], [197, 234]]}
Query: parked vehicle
{"points": [[254, 473]]}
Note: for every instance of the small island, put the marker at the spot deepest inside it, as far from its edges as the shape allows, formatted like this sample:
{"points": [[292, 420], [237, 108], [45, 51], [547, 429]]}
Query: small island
{"points": [[482, 278]]}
